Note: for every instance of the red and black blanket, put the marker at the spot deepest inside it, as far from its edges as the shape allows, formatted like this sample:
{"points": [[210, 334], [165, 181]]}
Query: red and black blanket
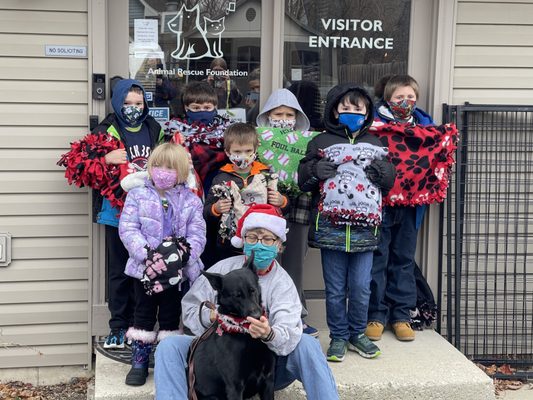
{"points": [[85, 166], [423, 158]]}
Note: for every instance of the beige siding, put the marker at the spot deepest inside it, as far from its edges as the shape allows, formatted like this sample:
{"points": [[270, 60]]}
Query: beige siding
{"points": [[44, 292], [493, 52]]}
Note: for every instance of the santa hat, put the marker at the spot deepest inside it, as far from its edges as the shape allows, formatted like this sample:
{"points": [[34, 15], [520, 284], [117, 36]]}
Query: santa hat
{"points": [[263, 216]]}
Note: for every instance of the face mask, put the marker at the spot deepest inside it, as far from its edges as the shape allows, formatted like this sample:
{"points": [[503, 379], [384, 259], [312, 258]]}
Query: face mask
{"points": [[164, 178], [240, 161], [263, 255], [282, 123], [204, 117], [132, 114], [402, 109], [354, 122]]}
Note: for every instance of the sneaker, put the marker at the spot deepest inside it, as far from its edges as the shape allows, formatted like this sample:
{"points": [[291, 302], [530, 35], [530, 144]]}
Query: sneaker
{"points": [[403, 331], [374, 330], [309, 330], [115, 340], [336, 350], [362, 345]]}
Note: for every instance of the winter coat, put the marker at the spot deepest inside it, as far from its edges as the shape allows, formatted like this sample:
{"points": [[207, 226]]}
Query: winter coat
{"points": [[141, 224], [323, 233], [227, 174]]}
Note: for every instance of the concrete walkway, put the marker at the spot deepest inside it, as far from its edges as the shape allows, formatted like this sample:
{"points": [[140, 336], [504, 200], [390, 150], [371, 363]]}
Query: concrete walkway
{"points": [[428, 368]]}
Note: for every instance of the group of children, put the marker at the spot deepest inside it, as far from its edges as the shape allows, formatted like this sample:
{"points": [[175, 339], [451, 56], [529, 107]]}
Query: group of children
{"points": [[343, 177]]}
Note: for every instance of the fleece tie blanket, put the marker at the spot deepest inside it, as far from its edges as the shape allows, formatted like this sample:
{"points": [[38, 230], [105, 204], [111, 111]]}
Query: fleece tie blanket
{"points": [[282, 149], [204, 143], [349, 198], [256, 192], [423, 158], [85, 166]]}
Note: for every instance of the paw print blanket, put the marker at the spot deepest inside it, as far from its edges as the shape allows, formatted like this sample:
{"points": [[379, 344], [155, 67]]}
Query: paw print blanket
{"points": [[423, 158], [349, 197]]}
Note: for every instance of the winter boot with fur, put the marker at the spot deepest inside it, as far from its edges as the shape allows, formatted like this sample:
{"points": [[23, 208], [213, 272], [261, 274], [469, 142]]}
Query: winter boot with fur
{"points": [[140, 356]]}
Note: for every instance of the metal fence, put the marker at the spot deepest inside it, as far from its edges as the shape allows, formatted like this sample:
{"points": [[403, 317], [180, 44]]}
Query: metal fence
{"points": [[486, 269]]}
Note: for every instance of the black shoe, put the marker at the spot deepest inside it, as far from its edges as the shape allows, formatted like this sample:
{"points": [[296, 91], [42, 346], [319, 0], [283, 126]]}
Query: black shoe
{"points": [[137, 376]]}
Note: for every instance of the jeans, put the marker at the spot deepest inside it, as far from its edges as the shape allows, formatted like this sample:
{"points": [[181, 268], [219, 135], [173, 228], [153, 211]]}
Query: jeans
{"points": [[119, 285], [346, 275], [306, 363], [393, 281]]}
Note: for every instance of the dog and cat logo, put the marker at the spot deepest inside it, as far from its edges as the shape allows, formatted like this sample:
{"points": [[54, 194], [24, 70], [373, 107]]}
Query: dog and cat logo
{"points": [[210, 31]]}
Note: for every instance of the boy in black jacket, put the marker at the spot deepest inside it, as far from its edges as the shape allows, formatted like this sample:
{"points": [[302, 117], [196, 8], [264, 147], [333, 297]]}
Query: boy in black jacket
{"points": [[346, 171], [237, 185]]}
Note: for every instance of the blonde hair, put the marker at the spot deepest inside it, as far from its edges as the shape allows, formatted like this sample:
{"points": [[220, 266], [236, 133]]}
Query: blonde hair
{"points": [[172, 156], [398, 81]]}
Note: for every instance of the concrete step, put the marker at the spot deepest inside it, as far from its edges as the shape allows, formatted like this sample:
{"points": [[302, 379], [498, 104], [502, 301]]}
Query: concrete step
{"points": [[428, 368]]}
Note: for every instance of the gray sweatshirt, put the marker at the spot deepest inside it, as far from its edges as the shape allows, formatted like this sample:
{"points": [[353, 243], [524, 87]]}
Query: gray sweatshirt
{"points": [[283, 97], [279, 297]]}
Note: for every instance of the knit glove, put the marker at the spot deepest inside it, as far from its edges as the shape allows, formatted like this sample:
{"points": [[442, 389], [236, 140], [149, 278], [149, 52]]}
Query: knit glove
{"points": [[325, 169]]}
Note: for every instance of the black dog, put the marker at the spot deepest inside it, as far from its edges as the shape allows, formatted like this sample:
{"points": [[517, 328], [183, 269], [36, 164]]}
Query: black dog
{"points": [[229, 363]]}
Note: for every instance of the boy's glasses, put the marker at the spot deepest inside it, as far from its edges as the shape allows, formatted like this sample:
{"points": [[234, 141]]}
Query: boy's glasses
{"points": [[266, 240]]}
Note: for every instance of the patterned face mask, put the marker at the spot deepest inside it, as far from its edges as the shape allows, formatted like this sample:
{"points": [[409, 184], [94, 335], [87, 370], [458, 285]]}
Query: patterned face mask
{"points": [[282, 123], [132, 114], [164, 178], [402, 109], [241, 161]]}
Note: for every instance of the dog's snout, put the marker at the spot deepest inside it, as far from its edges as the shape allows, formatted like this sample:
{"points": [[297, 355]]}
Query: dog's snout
{"points": [[256, 312]]}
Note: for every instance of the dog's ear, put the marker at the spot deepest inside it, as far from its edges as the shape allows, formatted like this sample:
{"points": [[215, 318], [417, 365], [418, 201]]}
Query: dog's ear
{"points": [[250, 262], [214, 279]]}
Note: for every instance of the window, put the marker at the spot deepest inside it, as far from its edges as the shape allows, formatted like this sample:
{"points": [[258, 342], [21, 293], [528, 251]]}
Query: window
{"points": [[178, 42], [336, 41]]}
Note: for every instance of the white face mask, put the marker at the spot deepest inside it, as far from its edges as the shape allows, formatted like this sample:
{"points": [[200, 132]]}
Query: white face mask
{"points": [[282, 123], [242, 161]]}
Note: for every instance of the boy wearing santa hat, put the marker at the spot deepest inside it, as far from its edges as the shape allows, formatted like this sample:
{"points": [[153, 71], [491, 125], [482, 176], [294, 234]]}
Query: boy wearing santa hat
{"points": [[262, 230]]}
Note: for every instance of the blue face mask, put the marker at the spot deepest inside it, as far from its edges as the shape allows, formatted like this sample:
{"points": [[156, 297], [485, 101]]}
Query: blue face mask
{"points": [[204, 117], [263, 255], [354, 122]]}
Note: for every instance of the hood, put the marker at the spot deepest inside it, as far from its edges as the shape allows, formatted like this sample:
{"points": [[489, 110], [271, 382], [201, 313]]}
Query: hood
{"points": [[332, 100], [120, 91], [283, 97]]}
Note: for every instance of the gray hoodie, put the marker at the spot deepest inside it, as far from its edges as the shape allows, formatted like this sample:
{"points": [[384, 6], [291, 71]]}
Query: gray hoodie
{"points": [[283, 97], [279, 296]]}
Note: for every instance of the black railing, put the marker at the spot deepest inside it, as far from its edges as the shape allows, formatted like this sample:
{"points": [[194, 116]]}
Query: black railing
{"points": [[486, 268]]}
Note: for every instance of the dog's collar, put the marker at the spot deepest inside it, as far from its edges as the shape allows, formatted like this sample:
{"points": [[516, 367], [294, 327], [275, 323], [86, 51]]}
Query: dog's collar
{"points": [[229, 324]]}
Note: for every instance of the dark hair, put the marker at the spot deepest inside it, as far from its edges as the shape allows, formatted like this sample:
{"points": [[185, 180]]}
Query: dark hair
{"points": [[199, 92], [398, 81], [240, 133], [379, 87], [219, 62], [354, 97]]}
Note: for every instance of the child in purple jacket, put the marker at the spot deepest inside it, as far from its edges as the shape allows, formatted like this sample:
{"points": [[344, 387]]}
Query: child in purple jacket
{"points": [[161, 208]]}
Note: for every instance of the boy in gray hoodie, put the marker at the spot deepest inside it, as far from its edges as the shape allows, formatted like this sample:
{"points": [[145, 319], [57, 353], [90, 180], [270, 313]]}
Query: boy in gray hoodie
{"points": [[282, 110]]}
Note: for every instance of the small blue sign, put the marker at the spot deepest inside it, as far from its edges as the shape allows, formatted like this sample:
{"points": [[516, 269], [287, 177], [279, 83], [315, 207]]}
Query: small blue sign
{"points": [[149, 96], [160, 114]]}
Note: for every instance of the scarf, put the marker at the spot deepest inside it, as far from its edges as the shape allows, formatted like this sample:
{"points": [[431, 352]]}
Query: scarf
{"points": [[423, 158], [205, 143], [349, 198], [230, 324]]}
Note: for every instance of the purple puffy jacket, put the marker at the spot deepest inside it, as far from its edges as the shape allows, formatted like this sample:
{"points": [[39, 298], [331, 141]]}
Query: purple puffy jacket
{"points": [[141, 224]]}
